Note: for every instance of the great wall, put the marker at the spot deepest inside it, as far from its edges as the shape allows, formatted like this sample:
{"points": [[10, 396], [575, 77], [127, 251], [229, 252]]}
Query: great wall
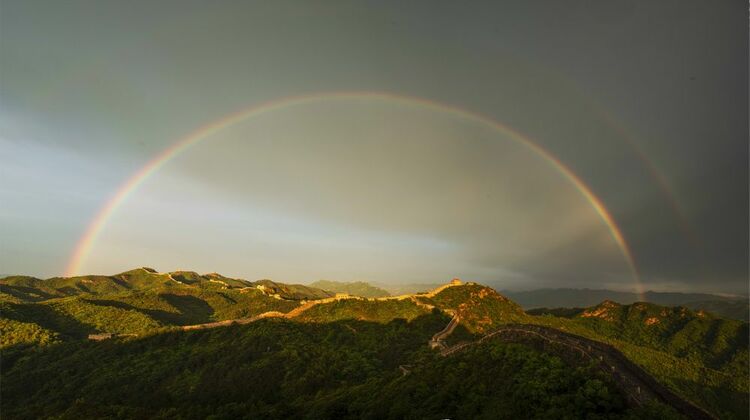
{"points": [[438, 340], [309, 304], [637, 385]]}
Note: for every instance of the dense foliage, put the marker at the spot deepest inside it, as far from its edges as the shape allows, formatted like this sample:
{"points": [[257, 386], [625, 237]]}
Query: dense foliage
{"points": [[282, 369], [701, 357], [366, 310], [479, 307], [715, 342], [135, 302], [24, 334]]}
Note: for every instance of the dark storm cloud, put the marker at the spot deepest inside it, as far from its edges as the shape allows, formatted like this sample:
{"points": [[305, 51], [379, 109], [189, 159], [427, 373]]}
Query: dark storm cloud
{"points": [[596, 83]]}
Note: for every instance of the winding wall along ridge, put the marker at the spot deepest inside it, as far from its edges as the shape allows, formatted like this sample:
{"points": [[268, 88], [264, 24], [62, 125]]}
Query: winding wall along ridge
{"points": [[305, 306], [638, 386]]}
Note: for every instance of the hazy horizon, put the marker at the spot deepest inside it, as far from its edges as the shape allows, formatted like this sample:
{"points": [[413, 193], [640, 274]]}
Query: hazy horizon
{"points": [[496, 284]]}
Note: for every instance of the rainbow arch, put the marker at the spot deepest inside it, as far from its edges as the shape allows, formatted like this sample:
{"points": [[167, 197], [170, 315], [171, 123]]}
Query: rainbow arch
{"points": [[87, 241]]}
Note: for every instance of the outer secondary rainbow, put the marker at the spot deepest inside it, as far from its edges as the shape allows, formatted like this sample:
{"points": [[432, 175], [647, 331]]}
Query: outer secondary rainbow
{"points": [[88, 240]]}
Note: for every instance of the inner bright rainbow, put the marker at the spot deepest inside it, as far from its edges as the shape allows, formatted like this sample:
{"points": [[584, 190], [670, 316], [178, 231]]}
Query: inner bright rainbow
{"points": [[88, 239]]}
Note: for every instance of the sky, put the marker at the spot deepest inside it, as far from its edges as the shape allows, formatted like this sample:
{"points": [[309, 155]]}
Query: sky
{"points": [[508, 143]]}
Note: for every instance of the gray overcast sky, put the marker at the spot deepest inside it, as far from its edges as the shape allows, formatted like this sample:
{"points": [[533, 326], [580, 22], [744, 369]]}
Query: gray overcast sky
{"points": [[645, 101]]}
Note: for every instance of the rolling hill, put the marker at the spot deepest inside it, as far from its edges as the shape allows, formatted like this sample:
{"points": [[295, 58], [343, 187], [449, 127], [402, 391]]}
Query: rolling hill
{"points": [[688, 334], [134, 302], [397, 289], [282, 369], [336, 351], [735, 307], [358, 288]]}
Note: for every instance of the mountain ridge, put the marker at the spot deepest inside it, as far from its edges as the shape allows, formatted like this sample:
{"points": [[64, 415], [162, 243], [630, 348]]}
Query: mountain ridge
{"points": [[706, 350], [358, 288], [735, 307]]}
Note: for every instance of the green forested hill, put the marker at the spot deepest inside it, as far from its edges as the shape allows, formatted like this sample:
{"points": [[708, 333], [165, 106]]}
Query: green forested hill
{"points": [[701, 356], [479, 307], [715, 342], [31, 289], [44, 325], [363, 310], [733, 307], [677, 330], [358, 288], [292, 291], [139, 301], [396, 289], [282, 369]]}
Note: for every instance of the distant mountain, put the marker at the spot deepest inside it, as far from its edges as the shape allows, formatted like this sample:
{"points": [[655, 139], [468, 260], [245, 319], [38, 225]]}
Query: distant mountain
{"points": [[292, 291], [358, 288], [730, 307], [396, 289], [32, 289]]}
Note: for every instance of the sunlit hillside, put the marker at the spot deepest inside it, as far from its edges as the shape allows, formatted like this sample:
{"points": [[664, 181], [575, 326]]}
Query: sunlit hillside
{"points": [[699, 356]]}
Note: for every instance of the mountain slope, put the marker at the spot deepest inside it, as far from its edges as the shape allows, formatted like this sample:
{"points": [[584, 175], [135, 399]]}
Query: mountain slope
{"points": [[138, 301], [397, 289], [358, 288], [730, 307], [679, 331], [478, 307], [292, 291], [351, 369], [31, 289], [698, 335], [697, 355], [702, 357]]}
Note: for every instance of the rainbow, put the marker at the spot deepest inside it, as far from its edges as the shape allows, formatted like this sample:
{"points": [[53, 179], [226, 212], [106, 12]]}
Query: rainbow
{"points": [[93, 230], [661, 181]]}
